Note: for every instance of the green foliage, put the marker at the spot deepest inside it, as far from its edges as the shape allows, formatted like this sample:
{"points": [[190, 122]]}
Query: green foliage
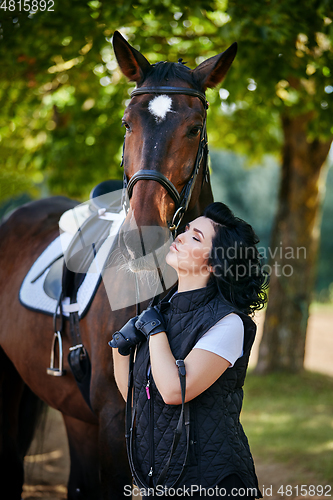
{"points": [[62, 95], [288, 418], [282, 67]]}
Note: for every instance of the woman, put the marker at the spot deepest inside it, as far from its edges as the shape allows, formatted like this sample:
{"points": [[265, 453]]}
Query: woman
{"points": [[190, 364]]}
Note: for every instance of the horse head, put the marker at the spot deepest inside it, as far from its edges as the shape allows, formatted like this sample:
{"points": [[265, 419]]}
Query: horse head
{"points": [[165, 148]]}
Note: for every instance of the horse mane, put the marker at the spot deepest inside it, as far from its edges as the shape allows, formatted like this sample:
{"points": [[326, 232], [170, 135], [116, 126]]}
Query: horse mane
{"points": [[164, 71]]}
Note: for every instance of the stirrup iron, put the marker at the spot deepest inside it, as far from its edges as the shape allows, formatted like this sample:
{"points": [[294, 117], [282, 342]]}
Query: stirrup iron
{"points": [[53, 370]]}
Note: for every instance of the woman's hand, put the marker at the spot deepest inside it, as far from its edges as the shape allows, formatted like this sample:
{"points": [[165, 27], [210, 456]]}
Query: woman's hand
{"points": [[150, 322], [122, 341], [127, 337]]}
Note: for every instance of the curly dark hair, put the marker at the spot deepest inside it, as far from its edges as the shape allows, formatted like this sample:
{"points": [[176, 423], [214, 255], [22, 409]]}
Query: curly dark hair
{"points": [[236, 262]]}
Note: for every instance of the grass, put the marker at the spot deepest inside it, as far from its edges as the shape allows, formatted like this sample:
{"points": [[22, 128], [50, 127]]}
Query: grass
{"points": [[289, 419]]}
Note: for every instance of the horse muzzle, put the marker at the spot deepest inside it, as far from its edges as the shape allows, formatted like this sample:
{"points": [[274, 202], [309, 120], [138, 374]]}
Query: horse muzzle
{"points": [[145, 247]]}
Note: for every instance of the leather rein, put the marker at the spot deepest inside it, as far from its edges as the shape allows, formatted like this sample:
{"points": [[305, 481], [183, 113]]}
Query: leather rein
{"points": [[181, 200]]}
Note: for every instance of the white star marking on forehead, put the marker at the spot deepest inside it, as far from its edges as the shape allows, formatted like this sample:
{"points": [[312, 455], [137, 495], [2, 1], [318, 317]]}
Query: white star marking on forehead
{"points": [[160, 106]]}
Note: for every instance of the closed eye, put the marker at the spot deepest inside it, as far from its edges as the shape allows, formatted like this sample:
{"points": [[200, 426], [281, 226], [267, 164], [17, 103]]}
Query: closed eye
{"points": [[187, 227]]}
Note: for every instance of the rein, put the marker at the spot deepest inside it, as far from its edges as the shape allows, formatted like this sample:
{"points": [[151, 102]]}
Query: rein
{"points": [[181, 200]]}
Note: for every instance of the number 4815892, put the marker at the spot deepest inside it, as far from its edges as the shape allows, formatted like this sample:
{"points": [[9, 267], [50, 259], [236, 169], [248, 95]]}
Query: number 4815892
{"points": [[27, 5]]}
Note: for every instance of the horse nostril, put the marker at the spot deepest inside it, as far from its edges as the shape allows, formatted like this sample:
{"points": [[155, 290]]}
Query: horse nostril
{"points": [[133, 243], [143, 241], [153, 238]]}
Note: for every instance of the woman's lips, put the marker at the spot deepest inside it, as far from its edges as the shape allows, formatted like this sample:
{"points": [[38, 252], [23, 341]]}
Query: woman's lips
{"points": [[173, 246]]}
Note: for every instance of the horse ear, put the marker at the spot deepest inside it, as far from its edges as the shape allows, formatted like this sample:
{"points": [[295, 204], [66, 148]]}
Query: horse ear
{"points": [[131, 62], [212, 71]]}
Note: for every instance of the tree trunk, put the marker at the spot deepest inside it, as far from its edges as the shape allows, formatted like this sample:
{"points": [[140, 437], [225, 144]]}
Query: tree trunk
{"points": [[294, 246]]}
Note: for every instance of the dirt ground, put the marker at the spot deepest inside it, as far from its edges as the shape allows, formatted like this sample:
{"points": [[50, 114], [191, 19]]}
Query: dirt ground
{"points": [[47, 465]]}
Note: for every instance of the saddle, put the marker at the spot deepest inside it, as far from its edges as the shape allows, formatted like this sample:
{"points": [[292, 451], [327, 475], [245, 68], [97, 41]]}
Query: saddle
{"points": [[87, 225], [90, 225]]}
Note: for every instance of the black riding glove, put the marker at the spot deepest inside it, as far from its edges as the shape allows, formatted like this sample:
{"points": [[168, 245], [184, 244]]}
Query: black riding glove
{"points": [[127, 337], [150, 322]]}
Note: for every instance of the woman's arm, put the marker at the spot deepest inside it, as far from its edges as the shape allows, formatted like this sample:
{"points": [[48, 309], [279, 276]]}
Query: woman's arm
{"points": [[121, 369], [203, 368]]}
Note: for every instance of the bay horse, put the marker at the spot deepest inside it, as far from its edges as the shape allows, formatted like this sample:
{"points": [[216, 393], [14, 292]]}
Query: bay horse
{"points": [[164, 124]]}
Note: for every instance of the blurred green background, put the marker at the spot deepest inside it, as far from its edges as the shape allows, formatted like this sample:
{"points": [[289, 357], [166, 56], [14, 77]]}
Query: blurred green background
{"points": [[232, 176]]}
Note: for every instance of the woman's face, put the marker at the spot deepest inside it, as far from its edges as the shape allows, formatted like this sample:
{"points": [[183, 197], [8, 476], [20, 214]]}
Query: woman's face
{"points": [[190, 251]]}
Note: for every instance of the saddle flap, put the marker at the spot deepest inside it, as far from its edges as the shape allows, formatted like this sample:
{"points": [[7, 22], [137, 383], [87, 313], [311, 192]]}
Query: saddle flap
{"points": [[53, 281], [86, 243]]}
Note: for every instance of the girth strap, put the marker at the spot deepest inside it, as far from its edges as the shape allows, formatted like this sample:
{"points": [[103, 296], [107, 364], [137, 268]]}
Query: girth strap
{"points": [[78, 359]]}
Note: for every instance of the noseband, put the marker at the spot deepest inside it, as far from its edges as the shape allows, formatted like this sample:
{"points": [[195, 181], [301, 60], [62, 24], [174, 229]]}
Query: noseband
{"points": [[182, 199]]}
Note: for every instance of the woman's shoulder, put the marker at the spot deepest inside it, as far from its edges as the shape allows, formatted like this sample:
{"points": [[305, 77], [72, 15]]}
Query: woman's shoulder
{"points": [[220, 307], [224, 338], [230, 322]]}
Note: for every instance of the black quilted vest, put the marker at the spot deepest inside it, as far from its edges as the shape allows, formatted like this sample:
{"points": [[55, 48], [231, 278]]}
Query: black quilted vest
{"points": [[218, 445]]}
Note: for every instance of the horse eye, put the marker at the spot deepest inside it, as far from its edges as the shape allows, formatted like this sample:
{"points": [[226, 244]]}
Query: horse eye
{"points": [[126, 125], [195, 131]]}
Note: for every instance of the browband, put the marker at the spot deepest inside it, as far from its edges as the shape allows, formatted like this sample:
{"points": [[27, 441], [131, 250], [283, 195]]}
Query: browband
{"points": [[171, 90]]}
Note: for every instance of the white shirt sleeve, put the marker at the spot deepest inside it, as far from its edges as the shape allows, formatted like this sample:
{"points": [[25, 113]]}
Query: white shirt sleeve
{"points": [[225, 338]]}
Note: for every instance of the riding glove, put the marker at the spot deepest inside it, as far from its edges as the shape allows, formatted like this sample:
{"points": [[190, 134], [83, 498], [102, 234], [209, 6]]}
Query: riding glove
{"points": [[127, 337], [150, 322]]}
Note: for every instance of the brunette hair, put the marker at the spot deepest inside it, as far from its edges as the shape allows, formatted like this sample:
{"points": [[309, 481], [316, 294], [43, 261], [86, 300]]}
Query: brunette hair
{"points": [[236, 262]]}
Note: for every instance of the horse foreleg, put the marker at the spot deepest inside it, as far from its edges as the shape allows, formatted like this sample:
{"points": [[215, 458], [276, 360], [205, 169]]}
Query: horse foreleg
{"points": [[115, 472], [19, 411], [84, 480]]}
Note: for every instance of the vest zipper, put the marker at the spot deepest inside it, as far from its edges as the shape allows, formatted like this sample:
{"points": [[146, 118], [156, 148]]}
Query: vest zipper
{"points": [[147, 389], [151, 425]]}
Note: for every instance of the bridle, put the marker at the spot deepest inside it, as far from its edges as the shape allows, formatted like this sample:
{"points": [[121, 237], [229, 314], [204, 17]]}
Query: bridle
{"points": [[181, 201], [183, 198]]}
